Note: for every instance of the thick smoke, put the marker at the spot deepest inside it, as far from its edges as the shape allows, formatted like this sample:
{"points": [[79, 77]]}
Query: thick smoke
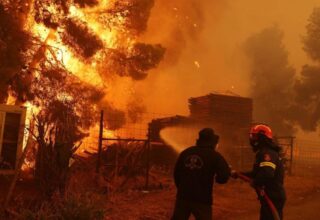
{"points": [[312, 40], [306, 110], [271, 78], [182, 28], [307, 86], [178, 25], [281, 98]]}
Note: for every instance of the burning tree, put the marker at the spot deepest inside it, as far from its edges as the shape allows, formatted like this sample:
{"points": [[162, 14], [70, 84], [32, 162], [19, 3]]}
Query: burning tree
{"points": [[57, 57]]}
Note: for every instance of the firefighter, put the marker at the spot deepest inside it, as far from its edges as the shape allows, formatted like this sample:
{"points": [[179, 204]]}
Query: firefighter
{"points": [[196, 169], [268, 170]]}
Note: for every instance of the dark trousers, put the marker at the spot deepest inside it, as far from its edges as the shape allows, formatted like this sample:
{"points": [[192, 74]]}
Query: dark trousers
{"points": [[265, 211], [183, 210]]}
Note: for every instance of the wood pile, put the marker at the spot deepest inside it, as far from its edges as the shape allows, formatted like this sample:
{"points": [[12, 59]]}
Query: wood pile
{"points": [[222, 109]]}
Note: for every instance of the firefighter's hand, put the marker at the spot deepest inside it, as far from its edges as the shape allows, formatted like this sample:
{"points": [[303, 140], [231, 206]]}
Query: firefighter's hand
{"points": [[252, 184], [234, 174]]}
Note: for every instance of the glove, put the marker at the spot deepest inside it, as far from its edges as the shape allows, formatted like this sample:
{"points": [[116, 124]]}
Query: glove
{"points": [[234, 174]]}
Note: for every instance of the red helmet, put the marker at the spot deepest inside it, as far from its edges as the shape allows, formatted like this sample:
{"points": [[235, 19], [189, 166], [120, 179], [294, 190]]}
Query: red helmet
{"points": [[261, 129]]}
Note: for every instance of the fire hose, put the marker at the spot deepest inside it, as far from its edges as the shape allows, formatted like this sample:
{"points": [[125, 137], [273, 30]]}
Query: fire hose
{"points": [[264, 195]]}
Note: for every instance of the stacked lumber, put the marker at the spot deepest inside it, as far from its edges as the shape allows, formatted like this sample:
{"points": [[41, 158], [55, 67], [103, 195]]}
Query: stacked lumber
{"points": [[222, 109]]}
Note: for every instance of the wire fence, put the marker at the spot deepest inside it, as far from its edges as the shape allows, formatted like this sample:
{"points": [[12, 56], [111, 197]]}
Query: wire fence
{"points": [[306, 156], [127, 130], [302, 157]]}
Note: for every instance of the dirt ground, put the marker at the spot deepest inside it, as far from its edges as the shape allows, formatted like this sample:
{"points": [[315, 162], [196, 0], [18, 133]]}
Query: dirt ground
{"points": [[235, 200]]}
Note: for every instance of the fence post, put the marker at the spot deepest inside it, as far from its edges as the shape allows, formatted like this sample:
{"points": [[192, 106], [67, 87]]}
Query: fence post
{"points": [[148, 159], [100, 143], [291, 156]]}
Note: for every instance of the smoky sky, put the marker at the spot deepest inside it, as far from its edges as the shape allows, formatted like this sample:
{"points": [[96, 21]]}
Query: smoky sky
{"points": [[249, 48], [271, 77], [283, 97]]}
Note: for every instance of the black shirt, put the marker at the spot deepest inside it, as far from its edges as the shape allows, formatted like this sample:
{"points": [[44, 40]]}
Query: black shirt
{"points": [[195, 171]]}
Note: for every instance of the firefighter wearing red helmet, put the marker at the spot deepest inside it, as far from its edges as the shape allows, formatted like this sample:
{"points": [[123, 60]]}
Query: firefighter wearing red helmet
{"points": [[268, 170]]}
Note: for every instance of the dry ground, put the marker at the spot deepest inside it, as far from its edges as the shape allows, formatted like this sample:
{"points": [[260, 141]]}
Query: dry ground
{"points": [[233, 201], [236, 200]]}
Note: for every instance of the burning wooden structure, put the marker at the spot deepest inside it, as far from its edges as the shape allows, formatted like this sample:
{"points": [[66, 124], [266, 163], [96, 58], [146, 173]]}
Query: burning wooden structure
{"points": [[12, 122], [229, 116]]}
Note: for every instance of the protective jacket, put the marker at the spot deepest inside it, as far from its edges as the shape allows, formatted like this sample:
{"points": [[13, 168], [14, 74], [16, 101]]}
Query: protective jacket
{"points": [[195, 171], [268, 171]]}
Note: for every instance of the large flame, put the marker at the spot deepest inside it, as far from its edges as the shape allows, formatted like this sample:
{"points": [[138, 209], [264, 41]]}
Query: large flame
{"points": [[85, 71]]}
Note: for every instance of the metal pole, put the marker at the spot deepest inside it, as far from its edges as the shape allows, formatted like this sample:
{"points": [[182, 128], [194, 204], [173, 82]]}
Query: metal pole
{"points": [[291, 156], [100, 143], [148, 160]]}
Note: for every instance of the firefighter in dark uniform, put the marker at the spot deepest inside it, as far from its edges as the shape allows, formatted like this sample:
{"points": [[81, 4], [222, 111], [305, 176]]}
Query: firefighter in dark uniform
{"points": [[268, 170], [196, 169]]}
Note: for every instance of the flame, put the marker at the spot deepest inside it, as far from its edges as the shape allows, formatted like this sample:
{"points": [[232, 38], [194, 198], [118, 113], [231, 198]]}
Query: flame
{"points": [[85, 71], [52, 45], [11, 100]]}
